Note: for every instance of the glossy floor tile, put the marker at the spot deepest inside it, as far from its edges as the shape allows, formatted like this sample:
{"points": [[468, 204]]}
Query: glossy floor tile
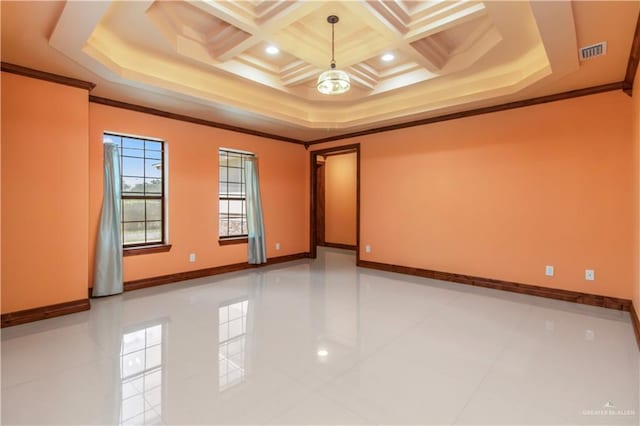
{"points": [[323, 342]]}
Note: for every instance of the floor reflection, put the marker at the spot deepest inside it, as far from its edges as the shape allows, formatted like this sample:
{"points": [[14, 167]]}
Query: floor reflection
{"points": [[322, 342], [232, 343], [141, 375]]}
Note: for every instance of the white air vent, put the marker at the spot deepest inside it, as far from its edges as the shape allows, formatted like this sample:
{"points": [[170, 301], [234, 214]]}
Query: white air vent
{"points": [[592, 51]]}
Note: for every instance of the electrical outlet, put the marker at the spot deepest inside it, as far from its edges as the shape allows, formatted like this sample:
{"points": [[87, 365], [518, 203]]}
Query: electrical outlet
{"points": [[367, 248], [192, 257], [277, 246], [589, 274], [548, 270]]}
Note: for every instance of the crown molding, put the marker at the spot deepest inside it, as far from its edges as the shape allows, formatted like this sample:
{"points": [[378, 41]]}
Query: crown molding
{"points": [[189, 119], [46, 76], [479, 111]]}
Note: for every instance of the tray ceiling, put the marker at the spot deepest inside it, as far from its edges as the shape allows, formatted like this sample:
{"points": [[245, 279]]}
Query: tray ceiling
{"points": [[446, 55]]}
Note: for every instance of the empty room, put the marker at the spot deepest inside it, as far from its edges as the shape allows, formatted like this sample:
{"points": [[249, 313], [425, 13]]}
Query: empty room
{"points": [[320, 212]]}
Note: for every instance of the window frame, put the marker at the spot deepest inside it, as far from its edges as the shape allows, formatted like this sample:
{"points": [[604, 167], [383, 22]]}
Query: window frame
{"points": [[146, 247], [236, 238]]}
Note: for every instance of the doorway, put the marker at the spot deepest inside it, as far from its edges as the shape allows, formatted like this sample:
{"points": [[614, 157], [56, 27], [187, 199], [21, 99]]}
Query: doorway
{"points": [[332, 172]]}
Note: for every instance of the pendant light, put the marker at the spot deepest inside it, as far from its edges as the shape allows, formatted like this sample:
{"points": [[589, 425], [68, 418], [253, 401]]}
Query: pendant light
{"points": [[333, 81]]}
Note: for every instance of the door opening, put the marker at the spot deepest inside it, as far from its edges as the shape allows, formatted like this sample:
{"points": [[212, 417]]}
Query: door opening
{"points": [[335, 198]]}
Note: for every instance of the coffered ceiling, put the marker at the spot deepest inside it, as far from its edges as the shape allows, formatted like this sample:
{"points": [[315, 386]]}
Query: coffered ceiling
{"points": [[208, 59]]}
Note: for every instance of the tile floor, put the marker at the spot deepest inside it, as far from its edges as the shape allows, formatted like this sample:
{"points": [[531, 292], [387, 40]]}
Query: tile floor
{"points": [[322, 342]]}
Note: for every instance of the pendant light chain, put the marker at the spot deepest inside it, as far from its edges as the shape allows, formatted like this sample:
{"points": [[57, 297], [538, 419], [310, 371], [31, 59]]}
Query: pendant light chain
{"points": [[333, 81], [333, 48]]}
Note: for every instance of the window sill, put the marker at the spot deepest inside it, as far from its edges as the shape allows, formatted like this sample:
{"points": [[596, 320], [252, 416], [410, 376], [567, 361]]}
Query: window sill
{"points": [[135, 251], [232, 240]]}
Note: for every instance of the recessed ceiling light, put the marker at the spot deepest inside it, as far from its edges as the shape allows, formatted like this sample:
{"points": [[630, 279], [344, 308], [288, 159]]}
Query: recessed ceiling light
{"points": [[388, 57], [323, 353], [272, 50]]}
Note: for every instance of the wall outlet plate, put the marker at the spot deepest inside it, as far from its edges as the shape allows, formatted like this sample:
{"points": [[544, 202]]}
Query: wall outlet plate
{"points": [[367, 248], [548, 270], [589, 274], [192, 257]]}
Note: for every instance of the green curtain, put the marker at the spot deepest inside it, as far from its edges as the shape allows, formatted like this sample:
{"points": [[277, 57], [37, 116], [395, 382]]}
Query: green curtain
{"points": [[108, 261], [257, 252]]}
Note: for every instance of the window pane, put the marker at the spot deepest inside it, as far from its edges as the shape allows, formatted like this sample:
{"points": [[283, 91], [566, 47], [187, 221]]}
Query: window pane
{"points": [[153, 154], [133, 153], [132, 166], [132, 210], [232, 212], [142, 170], [132, 143], [153, 186], [235, 189], [157, 146], [235, 175], [235, 227], [132, 185], [153, 168], [154, 232], [133, 233], [235, 207], [224, 207], [154, 209], [235, 160], [223, 228]]}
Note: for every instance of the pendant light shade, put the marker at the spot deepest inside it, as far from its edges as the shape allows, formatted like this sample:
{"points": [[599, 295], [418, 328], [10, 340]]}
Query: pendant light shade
{"points": [[333, 81]]}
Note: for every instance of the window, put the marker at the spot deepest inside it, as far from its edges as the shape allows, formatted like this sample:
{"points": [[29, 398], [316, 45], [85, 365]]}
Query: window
{"points": [[142, 189], [232, 221]]}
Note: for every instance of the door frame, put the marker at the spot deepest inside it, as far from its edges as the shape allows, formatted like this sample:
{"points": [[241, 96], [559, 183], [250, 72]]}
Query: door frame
{"points": [[344, 149]]}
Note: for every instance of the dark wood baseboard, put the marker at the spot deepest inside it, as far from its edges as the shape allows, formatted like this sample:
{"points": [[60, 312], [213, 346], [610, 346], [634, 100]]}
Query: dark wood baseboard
{"points": [[532, 290], [339, 246], [44, 312], [199, 273], [636, 323]]}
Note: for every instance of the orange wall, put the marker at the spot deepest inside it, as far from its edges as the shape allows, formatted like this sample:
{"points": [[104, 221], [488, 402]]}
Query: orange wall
{"points": [[502, 195], [340, 199], [636, 162], [193, 185], [44, 193]]}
